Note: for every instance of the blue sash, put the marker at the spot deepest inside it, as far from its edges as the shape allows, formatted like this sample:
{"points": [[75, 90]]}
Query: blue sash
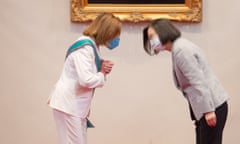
{"points": [[77, 45]]}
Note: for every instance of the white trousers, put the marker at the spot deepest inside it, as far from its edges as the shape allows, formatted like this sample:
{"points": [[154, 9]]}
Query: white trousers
{"points": [[71, 130]]}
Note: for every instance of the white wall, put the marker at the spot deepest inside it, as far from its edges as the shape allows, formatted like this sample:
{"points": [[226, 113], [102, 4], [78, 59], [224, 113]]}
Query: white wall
{"points": [[138, 105]]}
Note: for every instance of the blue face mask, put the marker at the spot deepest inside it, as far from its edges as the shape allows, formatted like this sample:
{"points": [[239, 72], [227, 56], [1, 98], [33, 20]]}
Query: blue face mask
{"points": [[113, 43]]}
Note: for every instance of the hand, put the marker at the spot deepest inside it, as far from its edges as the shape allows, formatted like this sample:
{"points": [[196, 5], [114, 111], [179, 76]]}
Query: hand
{"points": [[106, 67], [211, 119]]}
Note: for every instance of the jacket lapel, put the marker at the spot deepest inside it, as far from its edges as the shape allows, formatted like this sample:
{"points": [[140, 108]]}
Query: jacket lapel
{"points": [[176, 82]]}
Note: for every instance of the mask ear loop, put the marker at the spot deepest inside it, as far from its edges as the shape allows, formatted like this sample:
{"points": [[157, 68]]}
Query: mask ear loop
{"points": [[151, 50]]}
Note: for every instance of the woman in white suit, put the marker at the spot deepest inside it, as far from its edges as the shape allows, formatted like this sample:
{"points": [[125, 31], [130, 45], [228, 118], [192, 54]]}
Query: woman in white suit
{"points": [[83, 71], [193, 76]]}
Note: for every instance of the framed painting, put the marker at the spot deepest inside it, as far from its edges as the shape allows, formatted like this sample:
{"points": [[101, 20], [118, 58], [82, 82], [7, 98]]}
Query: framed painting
{"points": [[138, 10]]}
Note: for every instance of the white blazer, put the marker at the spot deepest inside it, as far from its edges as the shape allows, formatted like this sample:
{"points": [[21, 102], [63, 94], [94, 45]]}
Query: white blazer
{"points": [[196, 79], [73, 92]]}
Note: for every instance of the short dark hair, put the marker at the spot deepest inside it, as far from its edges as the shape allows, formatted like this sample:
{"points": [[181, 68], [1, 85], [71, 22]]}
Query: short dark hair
{"points": [[146, 44], [165, 30]]}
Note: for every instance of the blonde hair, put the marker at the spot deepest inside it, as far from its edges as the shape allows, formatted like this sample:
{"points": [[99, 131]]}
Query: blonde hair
{"points": [[104, 28]]}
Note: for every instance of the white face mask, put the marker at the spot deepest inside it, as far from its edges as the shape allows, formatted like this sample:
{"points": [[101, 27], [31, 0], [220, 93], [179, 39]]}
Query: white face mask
{"points": [[156, 44]]}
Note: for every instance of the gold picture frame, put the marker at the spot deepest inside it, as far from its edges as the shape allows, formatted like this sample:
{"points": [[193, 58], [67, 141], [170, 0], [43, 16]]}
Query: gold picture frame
{"points": [[190, 11]]}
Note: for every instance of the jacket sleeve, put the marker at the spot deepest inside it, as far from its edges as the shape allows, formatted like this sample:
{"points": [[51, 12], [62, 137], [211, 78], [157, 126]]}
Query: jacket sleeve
{"points": [[84, 61], [200, 97]]}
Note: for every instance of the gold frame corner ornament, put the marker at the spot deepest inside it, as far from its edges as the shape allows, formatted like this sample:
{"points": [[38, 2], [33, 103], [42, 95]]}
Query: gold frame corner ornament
{"points": [[191, 11]]}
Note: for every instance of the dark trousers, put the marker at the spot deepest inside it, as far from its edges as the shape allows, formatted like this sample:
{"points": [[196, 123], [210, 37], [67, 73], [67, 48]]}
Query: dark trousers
{"points": [[212, 135]]}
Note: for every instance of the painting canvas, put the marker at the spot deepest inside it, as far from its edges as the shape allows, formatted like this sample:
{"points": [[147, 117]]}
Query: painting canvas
{"points": [[136, 1], [138, 10]]}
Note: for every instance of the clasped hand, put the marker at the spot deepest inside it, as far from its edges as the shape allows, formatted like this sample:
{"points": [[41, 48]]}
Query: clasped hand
{"points": [[106, 67]]}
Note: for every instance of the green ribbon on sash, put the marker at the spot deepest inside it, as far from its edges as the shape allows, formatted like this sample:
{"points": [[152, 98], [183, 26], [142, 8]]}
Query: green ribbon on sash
{"points": [[77, 45]]}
